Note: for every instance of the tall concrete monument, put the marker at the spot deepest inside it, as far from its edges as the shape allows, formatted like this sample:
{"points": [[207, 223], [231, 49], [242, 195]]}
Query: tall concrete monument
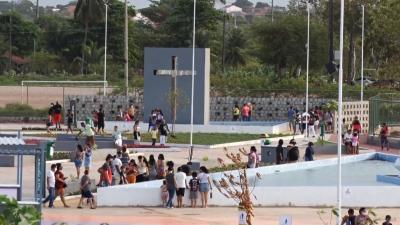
{"points": [[167, 83]]}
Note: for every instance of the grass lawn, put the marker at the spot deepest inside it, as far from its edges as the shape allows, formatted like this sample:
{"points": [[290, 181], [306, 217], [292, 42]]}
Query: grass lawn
{"points": [[205, 138]]}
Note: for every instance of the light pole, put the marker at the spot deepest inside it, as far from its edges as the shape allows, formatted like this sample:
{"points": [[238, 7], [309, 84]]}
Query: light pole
{"points": [[126, 50], [362, 60], [308, 64], [192, 94], [105, 48], [272, 10], [340, 109]]}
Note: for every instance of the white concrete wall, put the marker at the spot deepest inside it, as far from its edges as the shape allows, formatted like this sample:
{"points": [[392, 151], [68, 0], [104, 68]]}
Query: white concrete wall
{"points": [[148, 193], [359, 109], [210, 128]]}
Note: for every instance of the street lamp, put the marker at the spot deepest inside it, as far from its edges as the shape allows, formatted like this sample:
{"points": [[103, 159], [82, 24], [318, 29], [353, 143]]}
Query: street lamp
{"points": [[192, 94], [105, 47], [340, 109], [308, 63]]}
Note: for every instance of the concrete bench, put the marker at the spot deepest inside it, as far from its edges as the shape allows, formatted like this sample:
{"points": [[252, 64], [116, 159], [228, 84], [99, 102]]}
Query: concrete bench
{"points": [[9, 190]]}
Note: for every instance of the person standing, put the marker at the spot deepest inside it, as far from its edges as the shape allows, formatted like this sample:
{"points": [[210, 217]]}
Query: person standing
{"points": [[87, 163], [136, 132], [100, 121], [251, 109], [309, 154], [205, 186], [60, 184], [279, 152], [245, 112], [70, 120], [252, 158], [124, 155], [57, 115], [117, 137], [79, 154], [152, 168], [116, 168], [236, 113], [384, 134], [154, 133], [293, 152], [131, 172], [194, 189], [363, 217], [143, 170], [181, 185], [164, 130], [51, 182], [86, 192], [292, 119], [171, 186], [160, 167], [356, 125]]}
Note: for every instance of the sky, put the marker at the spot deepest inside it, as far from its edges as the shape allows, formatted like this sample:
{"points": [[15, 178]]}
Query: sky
{"points": [[144, 3]]}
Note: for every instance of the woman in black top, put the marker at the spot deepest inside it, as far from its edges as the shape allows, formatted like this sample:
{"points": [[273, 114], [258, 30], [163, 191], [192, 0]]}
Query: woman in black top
{"points": [[279, 152]]}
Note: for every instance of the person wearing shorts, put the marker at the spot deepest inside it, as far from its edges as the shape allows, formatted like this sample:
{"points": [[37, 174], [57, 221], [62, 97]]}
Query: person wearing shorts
{"points": [[204, 186], [79, 154], [384, 133], [194, 189], [57, 115], [89, 132], [181, 185], [85, 191]]}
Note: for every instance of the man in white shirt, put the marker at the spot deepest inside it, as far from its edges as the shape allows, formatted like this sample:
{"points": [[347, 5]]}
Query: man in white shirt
{"points": [[116, 168], [51, 183], [181, 185], [117, 135]]}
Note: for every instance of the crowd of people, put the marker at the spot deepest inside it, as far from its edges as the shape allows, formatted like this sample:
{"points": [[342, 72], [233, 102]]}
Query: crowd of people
{"points": [[362, 218], [54, 117], [293, 153], [243, 113]]}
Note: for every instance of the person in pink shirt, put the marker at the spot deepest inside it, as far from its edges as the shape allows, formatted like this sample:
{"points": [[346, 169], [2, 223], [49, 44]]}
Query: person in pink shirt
{"points": [[245, 112]]}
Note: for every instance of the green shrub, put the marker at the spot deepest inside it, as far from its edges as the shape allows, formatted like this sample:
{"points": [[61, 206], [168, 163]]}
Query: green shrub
{"points": [[22, 110]]}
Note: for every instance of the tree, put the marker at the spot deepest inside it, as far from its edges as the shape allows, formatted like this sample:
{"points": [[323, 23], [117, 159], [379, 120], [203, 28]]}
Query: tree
{"points": [[88, 12], [283, 44], [236, 43]]}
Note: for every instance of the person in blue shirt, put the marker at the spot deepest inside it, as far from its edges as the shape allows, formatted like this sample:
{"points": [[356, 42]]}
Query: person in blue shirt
{"points": [[292, 120]]}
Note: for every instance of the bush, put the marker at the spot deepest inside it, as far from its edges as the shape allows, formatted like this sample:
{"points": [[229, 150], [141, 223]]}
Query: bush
{"points": [[22, 110]]}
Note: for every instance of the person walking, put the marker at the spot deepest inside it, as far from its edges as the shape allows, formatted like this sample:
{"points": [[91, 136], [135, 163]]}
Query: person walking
{"points": [[279, 152], [78, 160], [384, 134], [205, 186], [89, 132], [51, 182], [57, 115], [60, 184], [309, 154], [117, 137], [293, 152], [87, 163], [164, 130], [85, 191], [171, 186]]}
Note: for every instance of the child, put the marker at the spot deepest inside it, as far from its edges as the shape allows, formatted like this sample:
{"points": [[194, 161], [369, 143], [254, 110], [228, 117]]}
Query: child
{"points": [[354, 143], [117, 136], [309, 155], [153, 133], [164, 193], [194, 188]]}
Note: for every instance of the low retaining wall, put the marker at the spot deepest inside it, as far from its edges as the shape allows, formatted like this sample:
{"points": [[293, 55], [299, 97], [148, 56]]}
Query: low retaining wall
{"points": [[148, 193], [376, 141]]}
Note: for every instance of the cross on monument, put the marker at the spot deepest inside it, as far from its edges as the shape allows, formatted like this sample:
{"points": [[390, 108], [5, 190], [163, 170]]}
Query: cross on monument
{"points": [[173, 72]]}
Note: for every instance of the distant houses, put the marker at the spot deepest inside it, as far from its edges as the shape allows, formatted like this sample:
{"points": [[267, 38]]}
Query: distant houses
{"points": [[259, 10]]}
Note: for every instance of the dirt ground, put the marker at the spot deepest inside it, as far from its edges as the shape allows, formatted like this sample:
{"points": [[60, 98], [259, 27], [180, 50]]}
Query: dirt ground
{"points": [[40, 97]]}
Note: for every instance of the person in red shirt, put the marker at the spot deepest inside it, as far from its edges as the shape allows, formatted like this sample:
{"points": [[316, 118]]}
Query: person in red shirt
{"points": [[356, 125], [60, 184], [245, 112], [384, 133]]}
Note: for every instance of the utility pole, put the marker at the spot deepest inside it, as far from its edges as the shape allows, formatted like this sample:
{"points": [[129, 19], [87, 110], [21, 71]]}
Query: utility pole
{"points": [[126, 50], [272, 10], [223, 43], [10, 38], [34, 40], [105, 49], [192, 94]]}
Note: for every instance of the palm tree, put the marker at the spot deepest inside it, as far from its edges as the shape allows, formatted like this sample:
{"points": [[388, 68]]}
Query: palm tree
{"points": [[235, 55], [88, 12]]}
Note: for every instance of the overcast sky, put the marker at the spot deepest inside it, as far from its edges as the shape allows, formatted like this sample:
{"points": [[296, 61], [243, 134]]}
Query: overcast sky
{"points": [[144, 3]]}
